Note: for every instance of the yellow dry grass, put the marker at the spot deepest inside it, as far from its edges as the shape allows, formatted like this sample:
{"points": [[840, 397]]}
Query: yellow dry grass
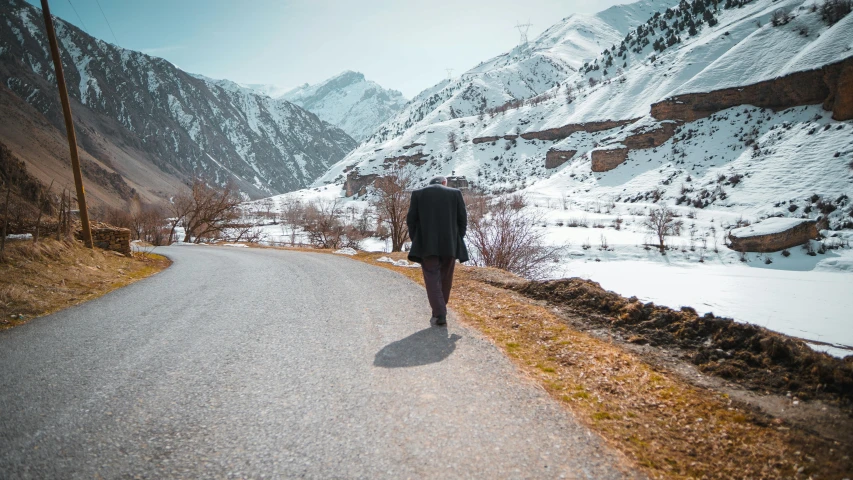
{"points": [[668, 427], [39, 279]]}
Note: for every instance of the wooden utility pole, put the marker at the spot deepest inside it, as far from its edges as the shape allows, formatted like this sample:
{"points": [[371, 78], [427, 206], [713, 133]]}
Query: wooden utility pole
{"points": [[69, 124]]}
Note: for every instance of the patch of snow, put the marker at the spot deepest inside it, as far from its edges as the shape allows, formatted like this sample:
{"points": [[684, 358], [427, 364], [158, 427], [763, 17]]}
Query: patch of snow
{"points": [[346, 251], [398, 263], [19, 236]]}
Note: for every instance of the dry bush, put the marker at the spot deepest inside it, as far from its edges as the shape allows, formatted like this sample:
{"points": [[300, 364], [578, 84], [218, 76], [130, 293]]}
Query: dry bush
{"points": [[149, 224], [832, 11], [393, 196], [204, 211], [503, 234], [291, 217], [323, 225]]}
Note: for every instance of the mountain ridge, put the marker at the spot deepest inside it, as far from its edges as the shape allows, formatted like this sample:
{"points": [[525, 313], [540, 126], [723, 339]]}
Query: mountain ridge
{"points": [[153, 112]]}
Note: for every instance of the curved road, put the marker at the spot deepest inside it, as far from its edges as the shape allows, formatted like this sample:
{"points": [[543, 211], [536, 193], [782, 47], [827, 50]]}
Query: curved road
{"points": [[258, 363]]}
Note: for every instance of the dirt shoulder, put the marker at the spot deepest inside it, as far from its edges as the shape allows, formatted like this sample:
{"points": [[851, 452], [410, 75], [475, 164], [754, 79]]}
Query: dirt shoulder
{"points": [[39, 279], [675, 418]]}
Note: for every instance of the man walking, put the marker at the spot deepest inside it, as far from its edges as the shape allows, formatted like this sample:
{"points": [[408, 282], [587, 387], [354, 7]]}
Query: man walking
{"points": [[437, 221]]}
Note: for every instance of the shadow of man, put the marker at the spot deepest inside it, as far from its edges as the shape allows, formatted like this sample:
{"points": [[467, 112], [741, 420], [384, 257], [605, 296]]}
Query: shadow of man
{"points": [[430, 345]]}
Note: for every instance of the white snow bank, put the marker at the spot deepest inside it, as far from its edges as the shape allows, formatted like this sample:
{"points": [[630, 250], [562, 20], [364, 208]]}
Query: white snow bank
{"points": [[20, 236], [812, 305], [768, 226], [397, 263], [346, 251]]}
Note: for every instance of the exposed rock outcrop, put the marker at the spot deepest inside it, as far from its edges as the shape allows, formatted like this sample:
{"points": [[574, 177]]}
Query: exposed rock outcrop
{"points": [[652, 137], [417, 159], [357, 184], [560, 133], [485, 140], [773, 234], [555, 158], [609, 158], [831, 86], [842, 96]]}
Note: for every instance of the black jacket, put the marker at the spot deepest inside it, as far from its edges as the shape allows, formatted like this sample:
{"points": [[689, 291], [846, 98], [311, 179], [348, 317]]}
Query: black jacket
{"points": [[437, 221]]}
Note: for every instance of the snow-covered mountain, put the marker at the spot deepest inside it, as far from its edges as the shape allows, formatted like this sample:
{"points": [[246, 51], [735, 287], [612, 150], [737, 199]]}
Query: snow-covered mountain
{"points": [[524, 72], [648, 109], [133, 108], [348, 100]]}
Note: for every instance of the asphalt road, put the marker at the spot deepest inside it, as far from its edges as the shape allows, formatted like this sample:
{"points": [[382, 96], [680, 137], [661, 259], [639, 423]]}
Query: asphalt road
{"points": [[238, 363]]}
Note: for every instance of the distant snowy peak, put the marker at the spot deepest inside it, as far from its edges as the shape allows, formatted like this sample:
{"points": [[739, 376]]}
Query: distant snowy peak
{"points": [[525, 72], [272, 91], [349, 101]]}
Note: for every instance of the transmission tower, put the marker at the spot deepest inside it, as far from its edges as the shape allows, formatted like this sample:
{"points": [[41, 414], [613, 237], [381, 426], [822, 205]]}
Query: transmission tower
{"points": [[522, 30], [449, 73]]}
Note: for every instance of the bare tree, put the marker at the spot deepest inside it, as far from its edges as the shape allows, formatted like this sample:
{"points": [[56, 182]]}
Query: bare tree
{"points": [[393, 195], [291, 216], [663, 222], [204, 211], [5, 216], [44, 203], [451, 139], [504, 235]]}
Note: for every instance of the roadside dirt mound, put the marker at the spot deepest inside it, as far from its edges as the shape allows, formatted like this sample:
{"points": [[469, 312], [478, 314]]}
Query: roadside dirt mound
{"points": [[747, 354]]}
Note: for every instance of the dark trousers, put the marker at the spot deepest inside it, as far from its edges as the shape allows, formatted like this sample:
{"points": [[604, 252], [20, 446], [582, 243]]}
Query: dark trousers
{"points": [[438, 278]]}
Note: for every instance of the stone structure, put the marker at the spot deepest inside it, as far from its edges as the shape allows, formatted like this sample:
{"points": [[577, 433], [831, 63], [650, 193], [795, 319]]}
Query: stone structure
{"points": [[357, 184], [555, 158], [109, 237], [609, 158], [459, 182], [831, 86], [773, 234]]}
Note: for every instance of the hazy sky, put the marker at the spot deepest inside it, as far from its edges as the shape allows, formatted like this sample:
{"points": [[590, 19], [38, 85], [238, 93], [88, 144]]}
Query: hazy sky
{"points": [[406, 45]]}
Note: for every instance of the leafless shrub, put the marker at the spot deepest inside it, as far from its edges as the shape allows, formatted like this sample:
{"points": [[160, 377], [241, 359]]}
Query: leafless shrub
{"points": [[831, 11], [291, 215], [322, 223], [780, 17], [507, 237], [393, 196], [451, 139], [204, 211], [662, 222], [578, 222]]}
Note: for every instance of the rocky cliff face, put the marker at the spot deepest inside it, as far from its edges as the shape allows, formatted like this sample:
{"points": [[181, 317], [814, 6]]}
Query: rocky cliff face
{"points": [[185, 125], [831, 86], [349, 101]]}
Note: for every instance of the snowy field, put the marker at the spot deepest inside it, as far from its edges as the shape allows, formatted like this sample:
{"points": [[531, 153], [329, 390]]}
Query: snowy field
{"points": [[802, 295]]}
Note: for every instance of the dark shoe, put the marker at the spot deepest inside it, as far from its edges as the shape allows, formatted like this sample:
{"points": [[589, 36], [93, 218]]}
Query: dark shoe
{"points": [[440, 320]]}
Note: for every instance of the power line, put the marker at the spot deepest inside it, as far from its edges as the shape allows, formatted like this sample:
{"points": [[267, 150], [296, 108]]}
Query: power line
{"points": [[78, 16], [105, 19]]}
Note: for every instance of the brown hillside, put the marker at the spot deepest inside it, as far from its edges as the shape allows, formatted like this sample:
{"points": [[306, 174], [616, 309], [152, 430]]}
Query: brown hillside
{"points": [[114, 176]]}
